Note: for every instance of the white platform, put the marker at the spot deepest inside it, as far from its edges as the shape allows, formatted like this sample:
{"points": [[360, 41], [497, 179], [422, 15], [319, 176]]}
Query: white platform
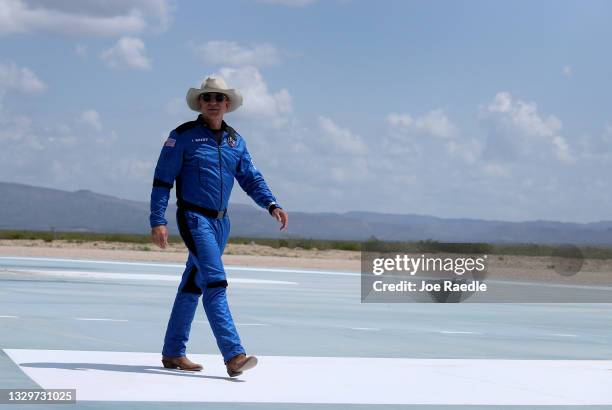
{"points": [[129, 376]]}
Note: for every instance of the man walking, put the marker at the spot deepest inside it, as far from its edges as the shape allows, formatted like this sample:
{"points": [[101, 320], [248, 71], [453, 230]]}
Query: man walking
{"points": [[203, 157]]}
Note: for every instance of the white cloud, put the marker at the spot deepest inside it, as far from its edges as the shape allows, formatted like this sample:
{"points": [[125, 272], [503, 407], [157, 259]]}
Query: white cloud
{"points": [[341, 140], [468, 149], [90, 17], [230, 53], [19, 78], [561, 148], [291, 3], [132, 168], [52, 154], [258, 101], [410, 136], [18, 138], [518, 129], [434, 123], [402, 120], [91, 118], [568, 71], [128, 52], [524, 115]]}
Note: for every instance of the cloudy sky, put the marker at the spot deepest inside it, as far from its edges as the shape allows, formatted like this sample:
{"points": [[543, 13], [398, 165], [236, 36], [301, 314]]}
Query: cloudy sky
{"points": [[476, 109]]}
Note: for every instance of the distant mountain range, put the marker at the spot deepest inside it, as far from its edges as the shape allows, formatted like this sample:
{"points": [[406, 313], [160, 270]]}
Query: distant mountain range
{"points": [[35, 208]]}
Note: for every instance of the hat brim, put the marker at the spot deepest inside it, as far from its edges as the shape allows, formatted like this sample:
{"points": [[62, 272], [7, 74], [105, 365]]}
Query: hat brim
{"points": [[194, 93]]}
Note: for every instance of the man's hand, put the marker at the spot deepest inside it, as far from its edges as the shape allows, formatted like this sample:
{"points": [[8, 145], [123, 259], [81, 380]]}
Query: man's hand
{"points": [[282, 217], [159, 235]]}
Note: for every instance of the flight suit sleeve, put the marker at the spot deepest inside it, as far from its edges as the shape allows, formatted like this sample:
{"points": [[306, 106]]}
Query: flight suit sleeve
{"points": [[253, 183], [167, 169]]}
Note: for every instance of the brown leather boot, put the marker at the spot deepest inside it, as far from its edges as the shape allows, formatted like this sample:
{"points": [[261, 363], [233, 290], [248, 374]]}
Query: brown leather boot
{"points": [[237, 364], [182, 363]]}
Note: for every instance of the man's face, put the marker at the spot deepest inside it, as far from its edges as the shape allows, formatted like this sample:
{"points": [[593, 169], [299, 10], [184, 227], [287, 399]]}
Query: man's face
{"points": [[213, 105]]}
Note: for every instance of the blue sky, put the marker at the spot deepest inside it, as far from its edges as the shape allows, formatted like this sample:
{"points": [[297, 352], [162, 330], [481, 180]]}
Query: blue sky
{"points": [[476, 109]]}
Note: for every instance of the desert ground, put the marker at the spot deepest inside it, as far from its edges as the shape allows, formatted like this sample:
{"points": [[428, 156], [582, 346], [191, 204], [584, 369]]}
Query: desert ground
{"points": [[541, 268], [251, 255]]}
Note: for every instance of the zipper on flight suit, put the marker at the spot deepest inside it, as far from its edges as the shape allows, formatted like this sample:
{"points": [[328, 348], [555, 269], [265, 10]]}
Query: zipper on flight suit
{"points": [[220, 171]]}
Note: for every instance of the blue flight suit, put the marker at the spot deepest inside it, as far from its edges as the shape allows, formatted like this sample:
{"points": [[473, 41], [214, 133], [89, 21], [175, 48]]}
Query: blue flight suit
{"points": [[204, 170]]}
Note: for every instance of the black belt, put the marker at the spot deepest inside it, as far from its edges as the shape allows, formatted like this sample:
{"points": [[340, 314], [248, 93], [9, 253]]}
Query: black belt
{"points": [[211, 213]]}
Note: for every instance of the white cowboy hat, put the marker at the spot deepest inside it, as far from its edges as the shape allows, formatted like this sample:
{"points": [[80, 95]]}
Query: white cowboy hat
{"points": [[213, 85]]}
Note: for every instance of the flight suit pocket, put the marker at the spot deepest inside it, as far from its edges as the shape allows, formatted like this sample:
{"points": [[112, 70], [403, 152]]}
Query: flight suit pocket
{"points": [[191, 221]]}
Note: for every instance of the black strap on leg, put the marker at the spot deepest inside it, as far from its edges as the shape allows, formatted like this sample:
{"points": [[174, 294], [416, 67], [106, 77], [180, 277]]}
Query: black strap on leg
{"points": [[190, 284], [217, 284]]}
